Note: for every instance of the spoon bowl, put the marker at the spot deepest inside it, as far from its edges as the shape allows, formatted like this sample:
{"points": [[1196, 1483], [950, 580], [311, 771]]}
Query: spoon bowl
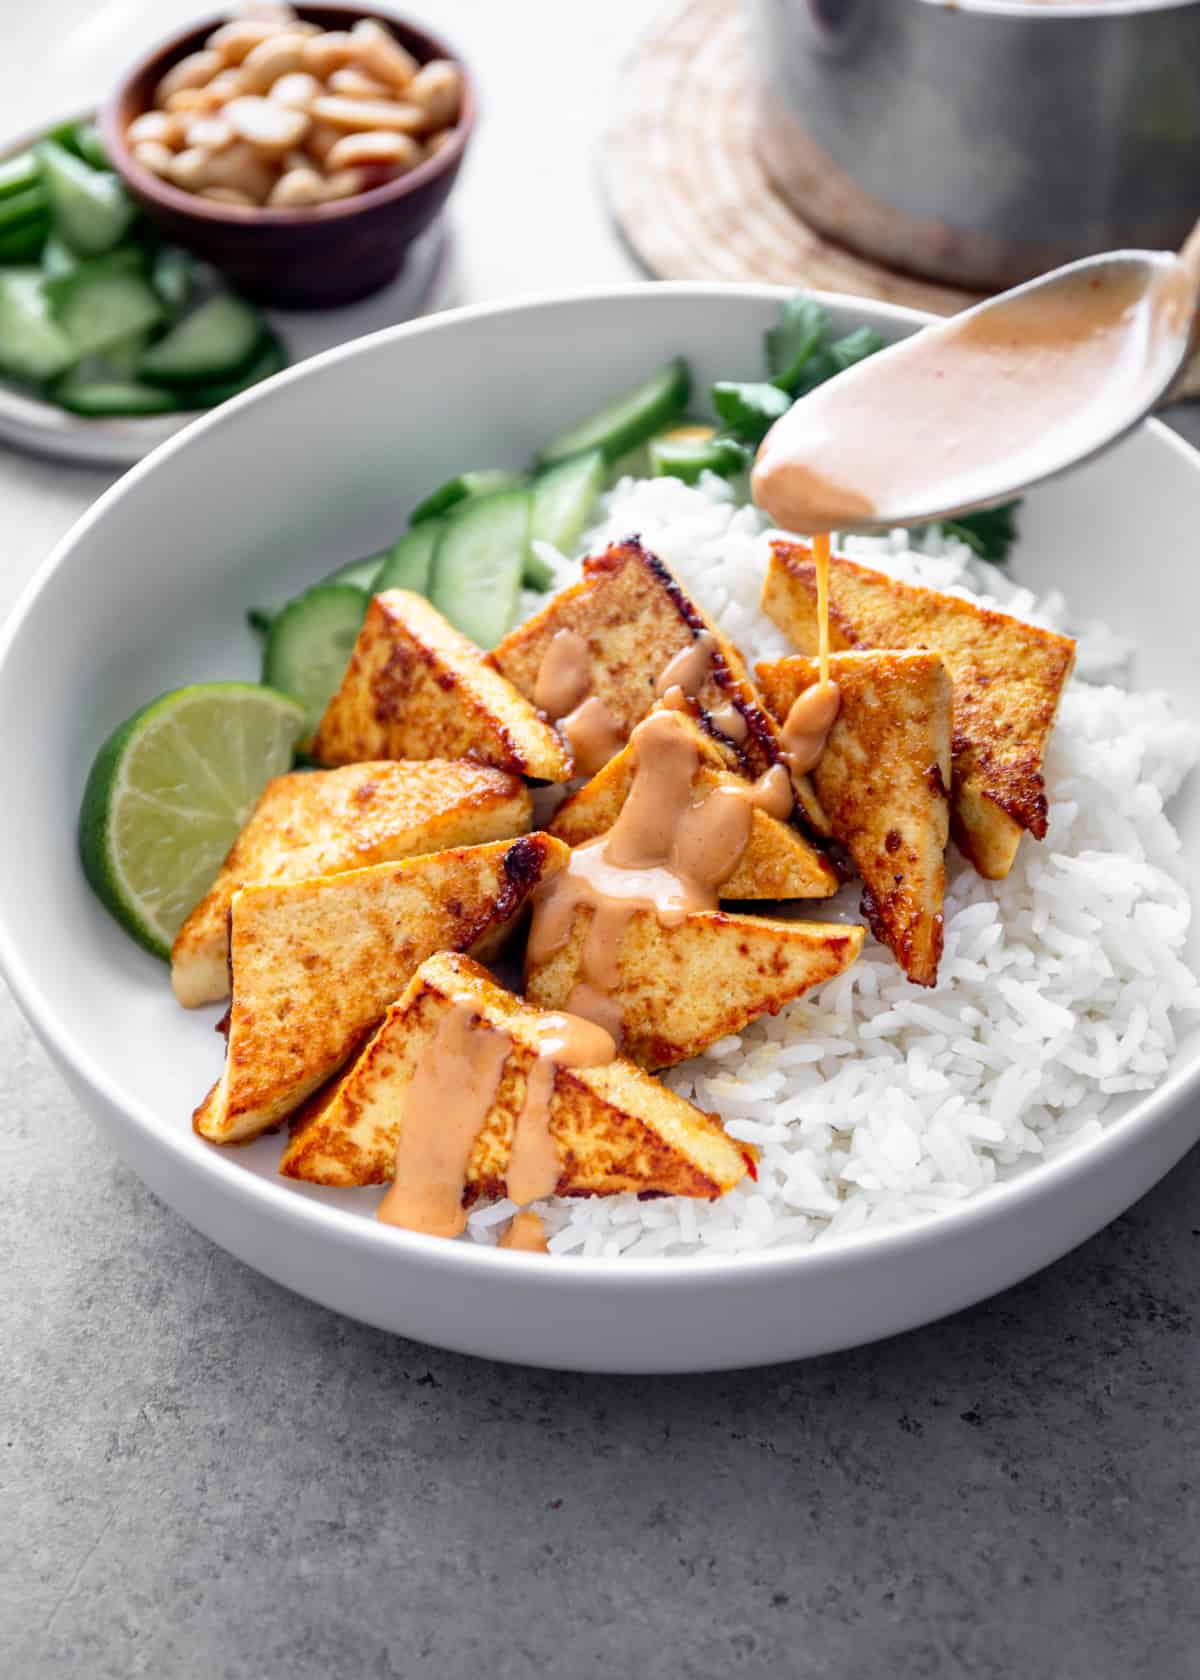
{"points": [[975, 410]]}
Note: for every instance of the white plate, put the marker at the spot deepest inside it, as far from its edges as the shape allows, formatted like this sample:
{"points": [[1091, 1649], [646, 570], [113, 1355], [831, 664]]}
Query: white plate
{"points": [[318, 466], [27, 421]]}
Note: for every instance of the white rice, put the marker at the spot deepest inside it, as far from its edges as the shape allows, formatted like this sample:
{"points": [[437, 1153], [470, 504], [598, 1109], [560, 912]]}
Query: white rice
{"points": [[875, 1101]]}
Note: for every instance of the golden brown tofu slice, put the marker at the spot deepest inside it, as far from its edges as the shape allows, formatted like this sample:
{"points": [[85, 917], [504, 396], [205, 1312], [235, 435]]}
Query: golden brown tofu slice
{"points": [[778, 861], [1008, 679], [681, 988], [883, 779], [418, 688], [635, 619], [317, 963], [614, 1127], [323, 822]]}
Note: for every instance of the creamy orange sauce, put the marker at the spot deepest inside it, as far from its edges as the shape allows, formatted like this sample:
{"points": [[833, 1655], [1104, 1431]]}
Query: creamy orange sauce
{"points": [[564, 675], [562, 689], [593, 735], [729, 720], [806, 728], [690, 667], [563, 1040], [667, 852], [1000, 394], [526, 1234], [441, 1114]]}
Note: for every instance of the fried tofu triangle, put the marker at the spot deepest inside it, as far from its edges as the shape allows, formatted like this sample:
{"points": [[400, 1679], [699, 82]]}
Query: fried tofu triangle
{"points": [[635, 620], [883, 781], [418, 688], [316, 964], [1008, 679], [679, 989], [323, 822], [778, 861], [614, 1128]]}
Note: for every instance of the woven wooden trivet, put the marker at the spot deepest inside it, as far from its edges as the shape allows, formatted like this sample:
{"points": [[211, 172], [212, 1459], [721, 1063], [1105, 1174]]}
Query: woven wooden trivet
{"points": [[685, 183]]}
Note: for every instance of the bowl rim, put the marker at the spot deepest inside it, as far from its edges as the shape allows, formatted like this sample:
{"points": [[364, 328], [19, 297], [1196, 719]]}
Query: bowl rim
{"points": [[111, 122], [465, 1261]]}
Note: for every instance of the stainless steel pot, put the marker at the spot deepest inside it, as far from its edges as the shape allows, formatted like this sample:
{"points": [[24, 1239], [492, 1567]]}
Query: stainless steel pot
{"points": [[983, 141]]}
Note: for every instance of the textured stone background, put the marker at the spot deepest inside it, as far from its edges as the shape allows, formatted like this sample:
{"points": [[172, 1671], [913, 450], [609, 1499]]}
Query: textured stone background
{"points": [[206, 1475]]}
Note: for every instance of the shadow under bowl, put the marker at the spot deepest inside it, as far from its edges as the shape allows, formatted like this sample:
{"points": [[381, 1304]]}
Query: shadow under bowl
{"points": [[317, 258]]}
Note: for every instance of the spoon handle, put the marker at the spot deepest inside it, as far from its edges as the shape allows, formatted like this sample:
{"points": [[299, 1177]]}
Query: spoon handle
{"points": [[1186, 383]]}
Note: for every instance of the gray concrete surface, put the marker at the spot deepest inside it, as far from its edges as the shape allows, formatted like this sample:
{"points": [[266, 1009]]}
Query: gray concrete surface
{"points": [[204, 1475]]}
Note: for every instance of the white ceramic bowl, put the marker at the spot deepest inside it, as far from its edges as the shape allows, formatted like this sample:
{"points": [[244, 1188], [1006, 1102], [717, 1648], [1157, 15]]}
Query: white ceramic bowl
{"points": [[318, 466]]}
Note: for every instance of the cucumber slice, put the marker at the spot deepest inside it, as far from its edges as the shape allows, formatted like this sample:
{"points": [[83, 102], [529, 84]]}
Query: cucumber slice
{"points": [[310, 642], [271, 358], [32, 344], [214, 341], [19, 173], [97, 397], [19, 207], [90, 146], [361, 573], [691, 450], [174, 275], [103, 303], [408, 564], [749, 410], [24, 244], [91, 209], [485, 481], [121, 360], [57, 258], [628, 420], [478, 562], [563, 498]]}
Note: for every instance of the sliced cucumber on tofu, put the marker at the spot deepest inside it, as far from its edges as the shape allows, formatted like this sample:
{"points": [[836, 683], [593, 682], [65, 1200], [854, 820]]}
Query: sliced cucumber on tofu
{"points": [[104, 302], [689, 451], [408, 564], [309, 644], [463, 487], [33, 346], [57, 258], [478, 563], [99, 397], [563, 498], [629, 419], [214, 342], [91, 209]]}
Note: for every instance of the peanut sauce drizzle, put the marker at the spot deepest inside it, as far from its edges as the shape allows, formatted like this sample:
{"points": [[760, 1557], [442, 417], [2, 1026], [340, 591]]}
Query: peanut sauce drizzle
{"points": [[446, 1104], [441, 1113], [690, 667], [666, 852], [562, 690]]}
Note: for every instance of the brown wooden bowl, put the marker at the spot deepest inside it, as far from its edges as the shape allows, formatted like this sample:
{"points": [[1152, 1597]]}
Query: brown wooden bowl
{"points": [[314, 258]]}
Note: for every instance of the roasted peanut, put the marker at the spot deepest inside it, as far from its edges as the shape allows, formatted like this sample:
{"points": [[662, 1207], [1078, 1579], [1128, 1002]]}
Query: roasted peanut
{"points": [[381, 55], [345, 184], [241, 167], [298, 90], [399, 151], [354, 115], [323, 54], [272, 129], [234, 40], [194, 71], [213, 133], [297, 189], [437, 89], [352, 83], [279, 55], [154, 156], [157, 127]]}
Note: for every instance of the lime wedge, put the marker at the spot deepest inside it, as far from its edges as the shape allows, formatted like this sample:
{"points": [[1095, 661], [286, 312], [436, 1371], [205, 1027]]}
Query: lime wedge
{"points": [[170, 791]]}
